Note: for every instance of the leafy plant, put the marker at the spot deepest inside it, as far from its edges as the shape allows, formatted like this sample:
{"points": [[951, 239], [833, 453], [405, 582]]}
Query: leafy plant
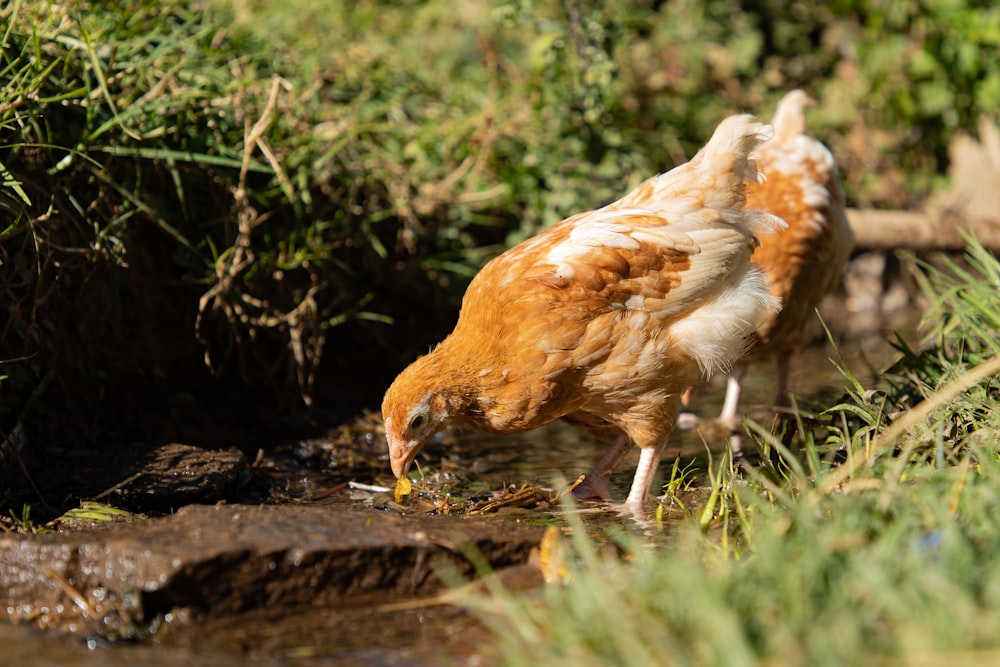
{"points": [[257, 184]]}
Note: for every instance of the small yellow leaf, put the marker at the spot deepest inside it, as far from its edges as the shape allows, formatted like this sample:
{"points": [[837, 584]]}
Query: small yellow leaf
{"points": [[403, 487], [552, 557]]}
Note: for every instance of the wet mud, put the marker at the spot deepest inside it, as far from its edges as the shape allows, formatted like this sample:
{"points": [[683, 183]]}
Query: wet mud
{"points": [[259, 581]]}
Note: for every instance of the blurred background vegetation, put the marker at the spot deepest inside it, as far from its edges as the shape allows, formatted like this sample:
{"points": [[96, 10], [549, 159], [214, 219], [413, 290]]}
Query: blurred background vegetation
{"points": [[226, 212]]}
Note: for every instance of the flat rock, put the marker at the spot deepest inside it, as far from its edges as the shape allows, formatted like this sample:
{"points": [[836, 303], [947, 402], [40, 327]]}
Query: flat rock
{"points": [[124, 580], [175, 475]]}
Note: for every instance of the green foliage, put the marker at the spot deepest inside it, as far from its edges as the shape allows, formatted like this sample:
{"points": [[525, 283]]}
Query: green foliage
{"points": [[90, 512], [292, 167], [21, 522]]}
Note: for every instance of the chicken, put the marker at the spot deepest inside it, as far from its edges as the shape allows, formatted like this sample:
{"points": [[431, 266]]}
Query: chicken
{"points": [[603, 319], [804, 261]]}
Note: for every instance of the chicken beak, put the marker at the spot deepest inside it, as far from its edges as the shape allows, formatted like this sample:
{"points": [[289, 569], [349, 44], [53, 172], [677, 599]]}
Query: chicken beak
{"points": [[400, 457], [401, 452]]}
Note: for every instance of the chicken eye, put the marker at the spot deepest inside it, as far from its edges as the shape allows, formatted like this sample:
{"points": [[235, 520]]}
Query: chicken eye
{"points": [[417, 422]]}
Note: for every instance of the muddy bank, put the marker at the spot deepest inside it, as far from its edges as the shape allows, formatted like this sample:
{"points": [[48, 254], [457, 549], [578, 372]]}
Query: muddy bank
{"points": [[308, 579]]}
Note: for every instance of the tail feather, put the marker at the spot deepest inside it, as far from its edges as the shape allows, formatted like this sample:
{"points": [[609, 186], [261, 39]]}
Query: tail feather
{"points": [[789, 117], [727, 151], [715, 176]]}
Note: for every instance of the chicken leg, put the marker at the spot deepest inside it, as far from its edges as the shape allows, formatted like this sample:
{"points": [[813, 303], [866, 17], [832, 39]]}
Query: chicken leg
{"points": [[729, 417], [649, 459], [596, 484], [595, 487]]}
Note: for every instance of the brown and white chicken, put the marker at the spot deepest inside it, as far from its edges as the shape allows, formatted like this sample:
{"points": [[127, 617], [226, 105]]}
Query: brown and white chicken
{"points": [[803, 262], [603, 319]]}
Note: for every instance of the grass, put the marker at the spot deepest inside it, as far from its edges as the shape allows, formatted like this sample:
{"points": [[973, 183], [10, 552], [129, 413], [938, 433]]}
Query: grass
{"points": [[873, 541]]}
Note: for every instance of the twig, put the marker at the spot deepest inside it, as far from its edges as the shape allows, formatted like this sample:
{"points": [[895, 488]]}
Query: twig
{"points": [[253, 135], [78, 599], [331, 491], [917, 230], [124, 482], [371, 488]]}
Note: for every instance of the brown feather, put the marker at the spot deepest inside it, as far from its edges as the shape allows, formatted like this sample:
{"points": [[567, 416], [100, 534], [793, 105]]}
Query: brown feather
{"points": [[804, 261]]}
